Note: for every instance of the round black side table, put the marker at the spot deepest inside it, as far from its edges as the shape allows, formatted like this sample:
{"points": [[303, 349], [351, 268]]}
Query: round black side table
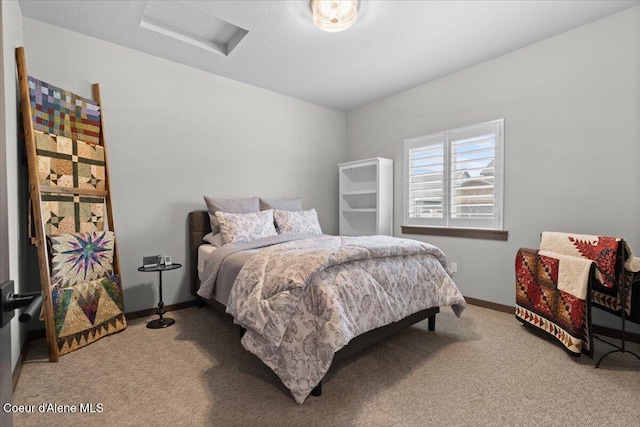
{"points": [[162, 322]]}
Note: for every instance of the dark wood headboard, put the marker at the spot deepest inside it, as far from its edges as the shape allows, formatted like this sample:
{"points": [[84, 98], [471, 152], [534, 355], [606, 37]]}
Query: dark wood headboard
{"points": [[199, 226]]}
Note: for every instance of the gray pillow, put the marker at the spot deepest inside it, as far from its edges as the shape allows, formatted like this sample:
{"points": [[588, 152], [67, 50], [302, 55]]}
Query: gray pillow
{"points": [[235, 206], [281, 204]]}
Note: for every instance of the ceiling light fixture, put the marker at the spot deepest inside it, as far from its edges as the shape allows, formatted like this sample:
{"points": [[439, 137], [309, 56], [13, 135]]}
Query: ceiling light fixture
{"points": [[334, 15]]}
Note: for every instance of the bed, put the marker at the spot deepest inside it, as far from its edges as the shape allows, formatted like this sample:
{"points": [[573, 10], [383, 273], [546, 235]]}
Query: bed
{"points": [[301, 362]]}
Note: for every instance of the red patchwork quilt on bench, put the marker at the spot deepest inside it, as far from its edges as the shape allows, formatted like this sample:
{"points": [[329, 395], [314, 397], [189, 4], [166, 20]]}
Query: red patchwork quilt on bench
{"points": [[542, 305], [557, 285]]}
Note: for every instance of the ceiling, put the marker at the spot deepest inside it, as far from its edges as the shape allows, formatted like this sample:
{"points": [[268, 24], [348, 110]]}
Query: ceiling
{"points": [[394, 45]]}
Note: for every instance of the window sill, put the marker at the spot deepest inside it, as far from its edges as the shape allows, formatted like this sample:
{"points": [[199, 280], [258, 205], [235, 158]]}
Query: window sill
{"points": [[472, 233]]}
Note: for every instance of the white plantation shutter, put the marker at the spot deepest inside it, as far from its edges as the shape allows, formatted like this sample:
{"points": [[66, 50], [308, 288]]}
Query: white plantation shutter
{"points": [[426, 159], [454, 178]]}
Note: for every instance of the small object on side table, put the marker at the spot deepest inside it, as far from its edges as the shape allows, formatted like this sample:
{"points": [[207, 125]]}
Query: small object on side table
{"points": [[162, 322]]}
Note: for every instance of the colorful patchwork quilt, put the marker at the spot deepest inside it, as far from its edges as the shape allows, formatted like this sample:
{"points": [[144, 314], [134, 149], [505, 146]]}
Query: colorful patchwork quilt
{"points": [[70, 163], [64, 214], [614, 262], [60, 112], [66, 162], [80, 257], [545, 301], [555, 287], [600, 249], [86, 295], [86, 312]]}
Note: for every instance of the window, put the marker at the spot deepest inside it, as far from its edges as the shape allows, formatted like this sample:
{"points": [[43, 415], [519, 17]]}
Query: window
{"points": [[454, 179]]}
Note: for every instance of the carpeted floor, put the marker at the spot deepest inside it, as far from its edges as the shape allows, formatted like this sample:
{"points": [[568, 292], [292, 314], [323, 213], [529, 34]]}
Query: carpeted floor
{"points": [[481, 369]]}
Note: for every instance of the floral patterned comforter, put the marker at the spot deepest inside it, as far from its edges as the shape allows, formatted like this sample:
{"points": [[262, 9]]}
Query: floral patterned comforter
{"points": [[304, 300]]}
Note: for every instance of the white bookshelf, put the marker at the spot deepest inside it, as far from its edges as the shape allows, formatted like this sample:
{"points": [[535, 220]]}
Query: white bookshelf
{"points": [[366, 197]]}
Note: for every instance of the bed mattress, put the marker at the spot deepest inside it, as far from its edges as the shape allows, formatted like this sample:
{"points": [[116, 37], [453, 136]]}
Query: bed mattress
{"points": [[203, 251]]}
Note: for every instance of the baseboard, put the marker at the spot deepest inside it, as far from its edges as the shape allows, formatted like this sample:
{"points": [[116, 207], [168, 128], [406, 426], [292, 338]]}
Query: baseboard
{"points": [[151, 311], [491, 305], [615, 333], [18, 369], [31, 335]]}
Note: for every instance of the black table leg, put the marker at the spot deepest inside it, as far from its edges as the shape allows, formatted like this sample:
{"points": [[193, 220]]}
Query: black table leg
{"points": [[162, 322]]}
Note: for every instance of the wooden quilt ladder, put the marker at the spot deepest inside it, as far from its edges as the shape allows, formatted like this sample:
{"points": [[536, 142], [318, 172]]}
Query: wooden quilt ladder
{"points": [[72, 126]]}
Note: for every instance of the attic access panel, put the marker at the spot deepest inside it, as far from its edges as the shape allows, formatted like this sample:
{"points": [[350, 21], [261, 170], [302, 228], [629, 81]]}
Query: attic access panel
{"points": [[182, 22]]}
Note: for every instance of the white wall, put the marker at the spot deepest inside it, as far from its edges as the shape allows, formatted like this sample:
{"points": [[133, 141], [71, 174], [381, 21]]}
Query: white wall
{"points": [[175, 133], [12, 38], [571, 105]]}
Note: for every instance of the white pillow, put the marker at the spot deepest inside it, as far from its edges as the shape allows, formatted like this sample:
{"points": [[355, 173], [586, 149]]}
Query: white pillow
{"points": [[241, 228], [304, 222], [214, 239]]}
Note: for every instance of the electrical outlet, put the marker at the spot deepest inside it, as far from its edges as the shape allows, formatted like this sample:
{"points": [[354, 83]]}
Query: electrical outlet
{"points": [[454, 267]]}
